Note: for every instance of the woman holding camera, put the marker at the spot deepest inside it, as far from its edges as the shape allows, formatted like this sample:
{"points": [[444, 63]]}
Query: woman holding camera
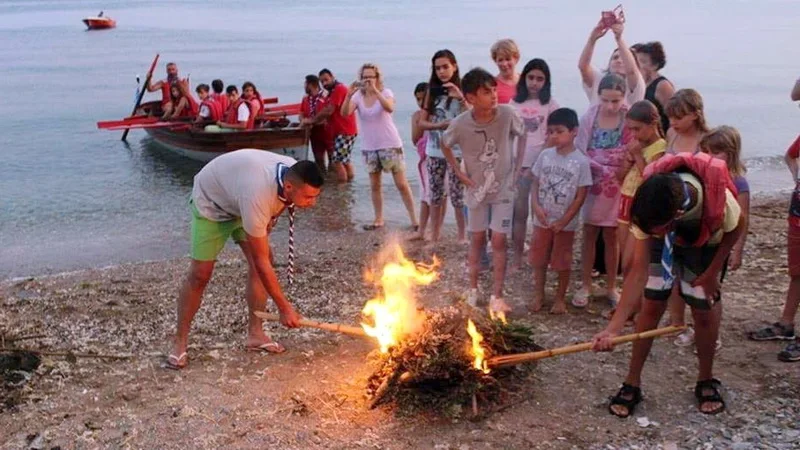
{"points": [[622, 62], [381, 144]]}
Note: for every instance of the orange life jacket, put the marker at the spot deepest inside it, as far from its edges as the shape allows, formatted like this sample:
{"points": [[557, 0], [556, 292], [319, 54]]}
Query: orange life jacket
{"points": [[714, 178]]}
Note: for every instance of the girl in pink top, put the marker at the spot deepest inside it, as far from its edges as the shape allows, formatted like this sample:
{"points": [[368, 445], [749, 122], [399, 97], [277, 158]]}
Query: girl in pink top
{"points": [[534, 103], [505, 54], [602, 137], [381, 144]]}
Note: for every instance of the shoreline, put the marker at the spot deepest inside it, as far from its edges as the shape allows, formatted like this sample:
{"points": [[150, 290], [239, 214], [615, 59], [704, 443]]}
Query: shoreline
{"points": [[759, 201]]}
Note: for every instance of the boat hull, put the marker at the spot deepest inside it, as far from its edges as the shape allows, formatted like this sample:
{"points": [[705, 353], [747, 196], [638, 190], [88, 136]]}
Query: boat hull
{"points": [[201, 145], [205, 146], [99, 23]]}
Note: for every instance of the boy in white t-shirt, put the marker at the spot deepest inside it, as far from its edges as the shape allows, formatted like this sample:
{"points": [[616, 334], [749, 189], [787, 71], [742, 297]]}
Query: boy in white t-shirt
{"points": [[561, 180]]}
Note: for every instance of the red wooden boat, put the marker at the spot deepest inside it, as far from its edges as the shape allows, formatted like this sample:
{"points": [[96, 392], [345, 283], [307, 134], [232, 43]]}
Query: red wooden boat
{"points": [[99, 23], [195, 143]]}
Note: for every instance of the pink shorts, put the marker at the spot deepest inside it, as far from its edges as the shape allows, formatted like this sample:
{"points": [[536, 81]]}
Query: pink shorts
{"points": [[550, 247]]}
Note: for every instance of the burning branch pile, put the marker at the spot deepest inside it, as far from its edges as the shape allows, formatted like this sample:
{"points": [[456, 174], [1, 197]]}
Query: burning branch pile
{"points": [[433, 360], [443, 367]]}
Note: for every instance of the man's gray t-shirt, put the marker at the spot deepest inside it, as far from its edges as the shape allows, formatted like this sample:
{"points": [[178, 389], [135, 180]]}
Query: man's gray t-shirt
{"points": [[559, 178], [488, 153], [241, 184]]}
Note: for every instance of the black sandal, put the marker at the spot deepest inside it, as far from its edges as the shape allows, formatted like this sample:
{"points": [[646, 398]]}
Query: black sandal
{"points": [[713, 385], [627, 396]]}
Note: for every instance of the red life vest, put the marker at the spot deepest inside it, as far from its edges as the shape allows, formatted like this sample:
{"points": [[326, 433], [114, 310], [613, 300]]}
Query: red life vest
{"points": [[215, 111], [233, 113], [715, 179], [166, 97], [192, 109], [222, 100]]}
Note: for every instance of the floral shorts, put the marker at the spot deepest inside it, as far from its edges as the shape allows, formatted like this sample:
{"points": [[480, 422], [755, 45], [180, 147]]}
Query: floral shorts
{"points": [[388, 160], [437, 171], [343, 147]]}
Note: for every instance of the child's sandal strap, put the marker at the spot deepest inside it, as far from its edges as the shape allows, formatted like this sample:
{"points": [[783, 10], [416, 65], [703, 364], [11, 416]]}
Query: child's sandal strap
{"points": [[628, 396], [713, 385]]}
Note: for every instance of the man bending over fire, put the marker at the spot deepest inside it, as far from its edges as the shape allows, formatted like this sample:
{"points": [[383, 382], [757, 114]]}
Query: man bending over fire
{"points": [[241, 194]]}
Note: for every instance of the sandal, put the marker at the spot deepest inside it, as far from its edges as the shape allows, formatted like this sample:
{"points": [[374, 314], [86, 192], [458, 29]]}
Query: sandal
{"points": [[176, 362], [627, 396], [776, 331], [267, 347], [372, 227], [715, 397]]}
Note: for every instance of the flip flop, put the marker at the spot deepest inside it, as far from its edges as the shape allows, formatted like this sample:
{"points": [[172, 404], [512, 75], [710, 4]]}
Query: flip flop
{"points": [[268, 347], [176, 362], [372, 227]]}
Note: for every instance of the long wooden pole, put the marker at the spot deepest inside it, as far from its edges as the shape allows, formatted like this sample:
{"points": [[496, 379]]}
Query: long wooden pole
{"points": [[519, 358], [335, 327], [141, 93]]}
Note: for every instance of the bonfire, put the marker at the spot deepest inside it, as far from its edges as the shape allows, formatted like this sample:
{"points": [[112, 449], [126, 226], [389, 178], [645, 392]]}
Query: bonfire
{"points": [[434, 360]]}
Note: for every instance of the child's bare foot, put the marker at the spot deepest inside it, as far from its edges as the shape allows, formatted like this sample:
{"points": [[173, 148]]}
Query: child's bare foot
{"points": [[516, 264], [418, 236], [536, 305], [560, 307]]}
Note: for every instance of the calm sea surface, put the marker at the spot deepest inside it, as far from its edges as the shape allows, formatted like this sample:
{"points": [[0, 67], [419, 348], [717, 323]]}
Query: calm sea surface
{"points": [[72, 196]]}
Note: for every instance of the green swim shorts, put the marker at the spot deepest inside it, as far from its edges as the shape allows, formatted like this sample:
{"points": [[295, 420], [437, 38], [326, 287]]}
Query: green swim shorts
{"points": [[209, 237]]}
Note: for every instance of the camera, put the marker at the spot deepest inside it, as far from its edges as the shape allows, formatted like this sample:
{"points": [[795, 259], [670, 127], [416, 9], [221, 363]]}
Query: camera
{"points": [[613, 17], [438, 91]]}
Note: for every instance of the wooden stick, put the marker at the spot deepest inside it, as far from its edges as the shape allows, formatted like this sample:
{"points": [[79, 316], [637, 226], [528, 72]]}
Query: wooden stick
{"points": [[335, 327], [519, 358]]}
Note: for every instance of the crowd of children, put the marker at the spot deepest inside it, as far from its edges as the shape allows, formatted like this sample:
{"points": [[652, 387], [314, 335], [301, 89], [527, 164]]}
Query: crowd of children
{"points": [[640, 170]]}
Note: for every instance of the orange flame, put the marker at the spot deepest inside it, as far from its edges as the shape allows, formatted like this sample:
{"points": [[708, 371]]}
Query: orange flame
{"points": [[498, 315], [477, 349], [393, 312]]}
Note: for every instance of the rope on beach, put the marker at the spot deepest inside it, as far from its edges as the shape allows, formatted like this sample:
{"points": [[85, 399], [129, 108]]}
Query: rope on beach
{"points": [[291, 245]]}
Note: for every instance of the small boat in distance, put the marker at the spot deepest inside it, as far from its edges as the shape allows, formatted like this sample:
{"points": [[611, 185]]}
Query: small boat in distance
{"points": [[99, 22]]}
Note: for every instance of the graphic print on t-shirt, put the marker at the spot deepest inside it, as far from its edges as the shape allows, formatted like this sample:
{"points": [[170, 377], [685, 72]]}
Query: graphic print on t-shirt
{"points": [[558, 185], [488, 159], [532, 123]]}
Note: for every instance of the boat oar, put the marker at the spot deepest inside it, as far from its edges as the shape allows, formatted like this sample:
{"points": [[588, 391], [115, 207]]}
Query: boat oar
{"points": [[141, 126], [135, 120], [519, 358], [335, 327], [141, 93]]}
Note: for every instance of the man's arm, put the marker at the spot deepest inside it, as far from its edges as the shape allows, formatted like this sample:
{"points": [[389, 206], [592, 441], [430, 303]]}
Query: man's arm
{"points": [[259, 247], [324, 113], [152, 87]]}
